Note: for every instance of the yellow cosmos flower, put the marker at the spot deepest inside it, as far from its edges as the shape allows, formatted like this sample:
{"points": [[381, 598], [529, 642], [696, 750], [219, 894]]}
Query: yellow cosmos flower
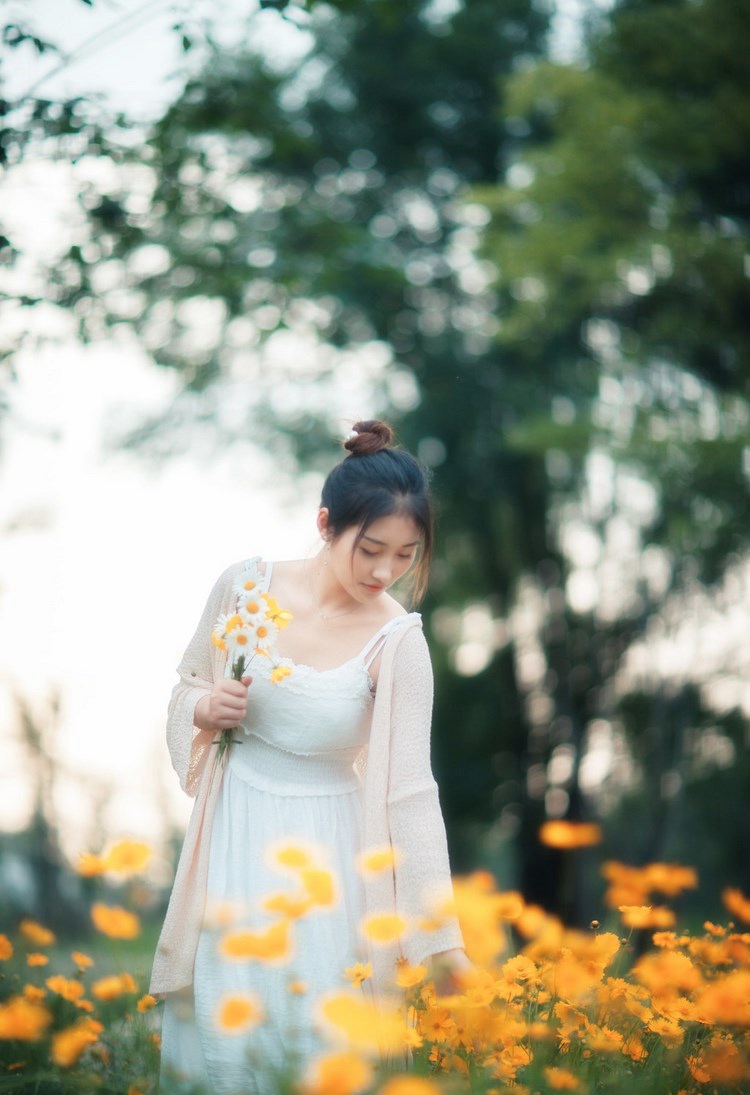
{"points": [[478, 907], [6, 948], [117, 984], [410, 1085], [437, 1025], [562, 1079], [338, 1074], [36, 959], [69, 1044], [737, 904], [36, 934], [128, 857], [725, 1064], [669, 878], [668, 940], [479, 987], [384, 928], [90, 865], [679, 1008], [291, 856], [407, 976], [413, 1039], [83, 961], [603, 1039], [362, 1023], [279, 616], [377, 860], [670, 1032], [69, 990], [290, 906], [646, 916], [114, 921], [714, 929], [34, 993], [566, 835], [667, 967], [532, 921], [23, 1020], [297, 988], [635, 1049], [237, 1014], [279, 673], [358, 973], [217, 638], [726, 1000], [273, 945], [519, 968], [146, 1002], [698, 1069], [320, 886]]}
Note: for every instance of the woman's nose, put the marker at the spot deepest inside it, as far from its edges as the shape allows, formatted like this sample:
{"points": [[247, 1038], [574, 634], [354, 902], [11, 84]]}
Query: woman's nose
{"points": [[382, 570]]}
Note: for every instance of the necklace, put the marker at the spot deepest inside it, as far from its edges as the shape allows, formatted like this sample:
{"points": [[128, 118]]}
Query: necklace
{"points": [[331, 615], [335, 615]]}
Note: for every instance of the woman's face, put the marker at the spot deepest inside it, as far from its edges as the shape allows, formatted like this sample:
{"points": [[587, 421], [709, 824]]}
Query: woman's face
{"points": [[382, 556]]}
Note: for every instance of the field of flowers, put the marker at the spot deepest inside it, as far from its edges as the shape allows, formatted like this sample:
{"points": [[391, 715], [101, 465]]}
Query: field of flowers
{"points": [[642, 1007]]}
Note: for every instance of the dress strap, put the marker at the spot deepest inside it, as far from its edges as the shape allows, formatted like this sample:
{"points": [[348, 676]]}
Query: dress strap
{"points": [[377, 642]]}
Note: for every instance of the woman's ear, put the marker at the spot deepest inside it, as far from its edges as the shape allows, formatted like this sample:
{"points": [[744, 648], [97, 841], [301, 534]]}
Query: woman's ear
{"points": [[323, 527]]}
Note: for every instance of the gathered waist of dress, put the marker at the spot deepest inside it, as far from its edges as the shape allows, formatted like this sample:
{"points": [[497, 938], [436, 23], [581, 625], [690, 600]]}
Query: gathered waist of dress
{"points": [[269, 768]]}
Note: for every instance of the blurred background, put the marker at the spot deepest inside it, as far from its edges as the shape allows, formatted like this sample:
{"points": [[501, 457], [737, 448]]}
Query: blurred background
{"points": [[519, 230]]}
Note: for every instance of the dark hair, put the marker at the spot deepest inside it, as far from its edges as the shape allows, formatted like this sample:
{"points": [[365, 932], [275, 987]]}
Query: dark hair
{"points": [[375, 480]]}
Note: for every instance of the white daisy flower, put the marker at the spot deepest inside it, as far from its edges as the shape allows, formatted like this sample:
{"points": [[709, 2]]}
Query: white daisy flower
{"points": [[247, 581], [240, 639], [252, 609], [265, 634]]}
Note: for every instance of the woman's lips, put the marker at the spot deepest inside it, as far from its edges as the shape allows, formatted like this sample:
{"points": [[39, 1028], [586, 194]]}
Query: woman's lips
{"points": [[373, 589]]}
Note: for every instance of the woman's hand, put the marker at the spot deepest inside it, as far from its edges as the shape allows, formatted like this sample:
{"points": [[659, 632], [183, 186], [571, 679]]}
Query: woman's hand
{"points": [[225, 707], [447, 970]]}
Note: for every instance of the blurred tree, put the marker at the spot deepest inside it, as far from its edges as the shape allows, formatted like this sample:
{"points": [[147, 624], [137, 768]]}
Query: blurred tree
{"points": [[329, 198], [586, 424], [34, 127], [622, 238], [46, 887]]}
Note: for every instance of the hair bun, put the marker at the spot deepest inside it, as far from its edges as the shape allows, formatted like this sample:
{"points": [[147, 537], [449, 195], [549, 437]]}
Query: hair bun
{"points": [[369, 437]]}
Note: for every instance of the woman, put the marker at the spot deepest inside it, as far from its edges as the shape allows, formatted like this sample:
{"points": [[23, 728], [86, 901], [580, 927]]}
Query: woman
{"points": [[334, 759]]}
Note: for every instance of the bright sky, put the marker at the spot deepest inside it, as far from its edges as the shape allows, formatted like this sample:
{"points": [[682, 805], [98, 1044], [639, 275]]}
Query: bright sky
{"points": [[106, 560], [105, 563]]}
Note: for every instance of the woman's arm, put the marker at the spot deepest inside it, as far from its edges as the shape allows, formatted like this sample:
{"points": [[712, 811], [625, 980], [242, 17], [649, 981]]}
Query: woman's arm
{"points": [[422, 873], [190, 733]]}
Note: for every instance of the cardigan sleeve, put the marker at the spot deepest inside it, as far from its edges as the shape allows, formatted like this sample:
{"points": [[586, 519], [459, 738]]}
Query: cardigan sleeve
{"points": [[417, 829], [200, 667]]}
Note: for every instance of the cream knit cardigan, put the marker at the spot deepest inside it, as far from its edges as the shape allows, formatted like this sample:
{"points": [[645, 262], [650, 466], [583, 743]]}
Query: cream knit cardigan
{"points": [[400, 796]]}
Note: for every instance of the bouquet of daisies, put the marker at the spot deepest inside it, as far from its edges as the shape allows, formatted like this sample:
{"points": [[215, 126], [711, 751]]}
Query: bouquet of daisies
{"points": [[247, 632]]}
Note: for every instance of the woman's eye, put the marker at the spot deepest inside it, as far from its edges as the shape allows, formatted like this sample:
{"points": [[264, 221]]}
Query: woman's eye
{"points": [[366, 552]]}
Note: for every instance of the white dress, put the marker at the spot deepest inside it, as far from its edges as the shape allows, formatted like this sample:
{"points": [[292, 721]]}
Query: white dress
{"points": [[289, 780]]}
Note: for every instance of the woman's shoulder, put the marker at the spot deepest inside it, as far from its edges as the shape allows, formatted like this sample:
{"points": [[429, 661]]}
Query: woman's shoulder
{"points": [[394, 610], [231, 574]]}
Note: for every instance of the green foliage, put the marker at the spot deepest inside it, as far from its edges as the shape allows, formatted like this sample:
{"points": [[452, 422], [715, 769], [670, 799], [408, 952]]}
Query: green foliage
{"points": [[549, 263]]}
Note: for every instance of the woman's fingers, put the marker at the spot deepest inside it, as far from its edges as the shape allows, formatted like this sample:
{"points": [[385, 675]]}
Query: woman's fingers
{"points": [[228, 704]]}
